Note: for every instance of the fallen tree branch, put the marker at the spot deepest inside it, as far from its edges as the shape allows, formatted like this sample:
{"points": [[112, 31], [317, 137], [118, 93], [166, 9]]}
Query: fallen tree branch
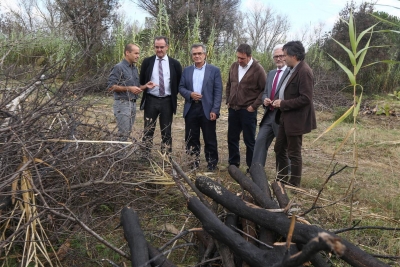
{"points": [[279, 223]]}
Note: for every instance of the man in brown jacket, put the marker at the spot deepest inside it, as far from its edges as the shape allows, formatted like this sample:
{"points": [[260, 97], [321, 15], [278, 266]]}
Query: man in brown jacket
{"points": [[244, 90], [296, 113]]}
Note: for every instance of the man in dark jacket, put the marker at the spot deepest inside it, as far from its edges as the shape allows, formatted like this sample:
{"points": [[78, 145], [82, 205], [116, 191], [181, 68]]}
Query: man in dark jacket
{"points": [[296, 113], [161, 101]]}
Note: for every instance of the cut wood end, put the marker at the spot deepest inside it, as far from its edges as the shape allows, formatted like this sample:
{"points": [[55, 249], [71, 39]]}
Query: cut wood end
{"points": [[333, 242]]}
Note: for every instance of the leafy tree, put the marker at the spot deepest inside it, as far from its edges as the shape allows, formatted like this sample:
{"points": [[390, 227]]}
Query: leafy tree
{"points": [[376, 78], [88, 22], [214, 15]]}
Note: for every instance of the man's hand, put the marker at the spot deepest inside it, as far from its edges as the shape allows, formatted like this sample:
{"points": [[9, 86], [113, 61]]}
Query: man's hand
{"points": [[213, 116], [277, 103], [195, 96], [250, 109], [135, 90], [150, 85], [267, 102]]}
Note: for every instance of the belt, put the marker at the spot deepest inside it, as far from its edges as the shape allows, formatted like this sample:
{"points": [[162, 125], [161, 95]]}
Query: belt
{"points": [[196, 101], [132, 100], [159, 97], [237, 107]]}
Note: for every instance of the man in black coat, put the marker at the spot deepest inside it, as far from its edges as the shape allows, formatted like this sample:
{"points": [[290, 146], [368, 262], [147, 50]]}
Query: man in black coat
{"points": [[161, 101]]}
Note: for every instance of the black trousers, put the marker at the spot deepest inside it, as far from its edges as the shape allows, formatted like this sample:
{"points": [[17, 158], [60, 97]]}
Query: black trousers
{"points": [[161, 108], [241, 121], [194, 121]]}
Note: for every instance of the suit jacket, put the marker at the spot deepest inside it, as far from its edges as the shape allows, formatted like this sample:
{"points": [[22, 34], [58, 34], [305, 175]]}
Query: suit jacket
{"points": [[297, 109], [211, 90], [268, 89], [175, 70]]}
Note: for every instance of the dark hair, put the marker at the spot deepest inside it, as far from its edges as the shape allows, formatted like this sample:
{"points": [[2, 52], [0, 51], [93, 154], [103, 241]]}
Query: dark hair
{"points": [[295, 48], [245, 49], [129, 47], [198, 45], [161, 38]]}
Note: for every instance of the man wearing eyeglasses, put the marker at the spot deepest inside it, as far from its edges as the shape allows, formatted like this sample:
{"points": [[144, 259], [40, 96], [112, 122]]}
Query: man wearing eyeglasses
{"points": [[296, 115], [268, 127], [161, 101], [201, 86]]}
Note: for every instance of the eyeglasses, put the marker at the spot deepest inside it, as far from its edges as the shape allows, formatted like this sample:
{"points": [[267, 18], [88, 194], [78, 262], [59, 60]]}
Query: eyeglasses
{"points": [[197, 54], [159, 47], [279, 56]]}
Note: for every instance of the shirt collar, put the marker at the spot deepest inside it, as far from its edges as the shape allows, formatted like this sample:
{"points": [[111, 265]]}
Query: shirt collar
{"points": [[283, 68], [194, 65], [248, 64], [163, 58], [127, 63]]}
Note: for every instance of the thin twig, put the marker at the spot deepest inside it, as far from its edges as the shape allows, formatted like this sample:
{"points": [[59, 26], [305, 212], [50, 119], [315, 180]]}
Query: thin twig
{"points": [[249, 236]]}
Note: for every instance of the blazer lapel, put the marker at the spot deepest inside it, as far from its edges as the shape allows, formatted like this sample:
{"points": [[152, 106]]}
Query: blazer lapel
{"points": [[207, 72], [284, 75], [190, 78], [270, 87]]}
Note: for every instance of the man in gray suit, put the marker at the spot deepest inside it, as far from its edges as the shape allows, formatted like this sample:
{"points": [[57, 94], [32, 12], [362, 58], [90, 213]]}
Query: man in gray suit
{"points": [[268, 127], [201, 86]]}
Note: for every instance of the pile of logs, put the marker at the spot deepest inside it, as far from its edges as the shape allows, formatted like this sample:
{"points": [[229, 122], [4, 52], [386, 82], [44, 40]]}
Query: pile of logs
{"points": [[282, 239]]}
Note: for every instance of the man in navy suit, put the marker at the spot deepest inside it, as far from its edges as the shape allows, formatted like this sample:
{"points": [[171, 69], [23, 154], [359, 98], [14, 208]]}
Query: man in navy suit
{"points": [[268, 127], [201, 86], [161, 101]]}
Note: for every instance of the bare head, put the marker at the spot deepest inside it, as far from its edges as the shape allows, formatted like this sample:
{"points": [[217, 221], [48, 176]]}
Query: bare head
{"points": [[132, 53]]}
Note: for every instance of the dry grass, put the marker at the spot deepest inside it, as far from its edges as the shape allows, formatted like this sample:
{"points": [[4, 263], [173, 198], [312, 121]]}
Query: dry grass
{"points": [[376, 201]]}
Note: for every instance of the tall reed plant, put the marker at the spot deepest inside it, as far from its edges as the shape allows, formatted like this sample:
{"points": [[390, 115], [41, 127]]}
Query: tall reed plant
{"points": [[356, 56]]}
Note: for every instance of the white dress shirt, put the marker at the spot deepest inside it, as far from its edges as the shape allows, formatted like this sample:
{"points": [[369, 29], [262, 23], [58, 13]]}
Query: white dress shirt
{"points": [[156, 79]]}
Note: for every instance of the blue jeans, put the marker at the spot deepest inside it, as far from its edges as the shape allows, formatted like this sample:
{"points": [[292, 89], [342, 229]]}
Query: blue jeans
{"points": [[125, 113], [241, 121]]}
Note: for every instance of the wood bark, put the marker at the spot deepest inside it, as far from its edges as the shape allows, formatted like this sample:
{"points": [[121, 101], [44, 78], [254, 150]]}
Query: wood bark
{"points": [[160, 259], [135, 237], [259, 189], [260, 178], [279, 190]]}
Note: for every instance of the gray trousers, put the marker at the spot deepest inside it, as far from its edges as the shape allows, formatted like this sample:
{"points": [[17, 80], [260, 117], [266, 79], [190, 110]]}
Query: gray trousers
{"points": [[125, 113], [266, 134]]}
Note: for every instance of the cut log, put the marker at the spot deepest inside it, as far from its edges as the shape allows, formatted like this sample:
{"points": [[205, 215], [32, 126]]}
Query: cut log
{"points": [[260, 178], [211, 223], [261, 196], [135, 237], [280, 194], [324, 241], [159, 258], [279, 223]]}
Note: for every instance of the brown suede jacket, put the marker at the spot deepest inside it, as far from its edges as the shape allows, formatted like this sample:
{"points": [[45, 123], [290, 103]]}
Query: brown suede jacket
{"points": [[247, 92]]}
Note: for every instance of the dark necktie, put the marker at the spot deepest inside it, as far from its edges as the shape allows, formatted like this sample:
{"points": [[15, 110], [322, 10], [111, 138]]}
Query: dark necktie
{"points": [[274, 84], [161, 78]]}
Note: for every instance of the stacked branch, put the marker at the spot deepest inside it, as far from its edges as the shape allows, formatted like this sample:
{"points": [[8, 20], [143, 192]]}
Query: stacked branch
{"points": [[303, 242]]}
